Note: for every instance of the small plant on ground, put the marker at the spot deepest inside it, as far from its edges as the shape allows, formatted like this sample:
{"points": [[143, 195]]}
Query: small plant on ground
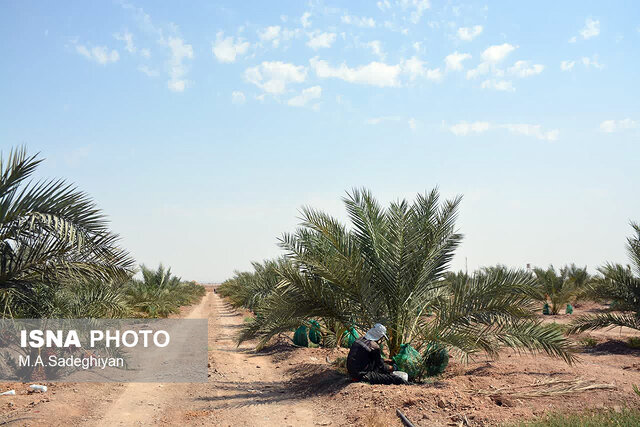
{"points": [[588, 342], [623, 418], [634, 342]]}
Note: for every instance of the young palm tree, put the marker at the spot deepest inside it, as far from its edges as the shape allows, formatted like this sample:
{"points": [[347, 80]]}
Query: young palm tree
{"points": [[621, 286], [249, 289], [50, 234], [561, 287], [160, 293], [389, 268]]}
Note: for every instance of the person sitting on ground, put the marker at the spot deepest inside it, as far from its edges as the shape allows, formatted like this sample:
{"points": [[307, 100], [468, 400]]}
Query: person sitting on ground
{"points": [[365, 362]]}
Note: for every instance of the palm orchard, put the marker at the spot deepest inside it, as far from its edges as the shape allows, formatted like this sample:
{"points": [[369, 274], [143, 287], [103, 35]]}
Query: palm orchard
{"points": [[58, 257], [390, 265]]}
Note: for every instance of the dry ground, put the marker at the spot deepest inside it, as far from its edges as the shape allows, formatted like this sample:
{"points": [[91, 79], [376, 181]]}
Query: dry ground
{"points": [[284, 385]]}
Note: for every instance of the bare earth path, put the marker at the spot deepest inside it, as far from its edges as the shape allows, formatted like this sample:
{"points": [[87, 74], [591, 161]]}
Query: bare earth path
{"points": [[139, 402], [244, 388]]}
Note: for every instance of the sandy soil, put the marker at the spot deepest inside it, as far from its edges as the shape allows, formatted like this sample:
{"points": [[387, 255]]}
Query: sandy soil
{"points": [[285, 385]]}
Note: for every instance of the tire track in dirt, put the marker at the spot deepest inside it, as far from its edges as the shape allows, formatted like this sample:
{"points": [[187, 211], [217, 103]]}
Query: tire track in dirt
{"points": [[142, 403], [248, 388], [244, 388]]}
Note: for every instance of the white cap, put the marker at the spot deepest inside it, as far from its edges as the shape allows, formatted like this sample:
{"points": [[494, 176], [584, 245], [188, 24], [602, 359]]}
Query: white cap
{"points": [[378, 331]]}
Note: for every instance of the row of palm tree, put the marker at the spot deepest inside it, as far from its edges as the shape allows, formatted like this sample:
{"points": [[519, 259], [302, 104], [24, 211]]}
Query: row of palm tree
{"points": [[390, 265], [58, 257], [561, 287], [159, 293]]}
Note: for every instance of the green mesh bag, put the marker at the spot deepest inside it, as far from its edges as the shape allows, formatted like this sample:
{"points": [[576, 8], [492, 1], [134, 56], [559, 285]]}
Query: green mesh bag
{"points": [[349, 337], [569, 309], [300, 337], [545, 309], [314, 332], [408, 360], [436, 359]]}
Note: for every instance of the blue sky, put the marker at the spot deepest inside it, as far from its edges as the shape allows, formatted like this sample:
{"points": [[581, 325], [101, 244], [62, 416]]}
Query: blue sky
{"points": [[202, 130]]}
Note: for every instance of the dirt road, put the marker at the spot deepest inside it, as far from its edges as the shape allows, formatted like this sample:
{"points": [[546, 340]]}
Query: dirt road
{"points": [[140, 403], [293, 386], [244, 388]]}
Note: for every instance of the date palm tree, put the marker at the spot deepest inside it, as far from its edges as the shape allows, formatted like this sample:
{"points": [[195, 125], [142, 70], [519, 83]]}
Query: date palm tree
{"points": [[390, 267], [249, 289], [51, 234], [561, 287], [619, 285]]}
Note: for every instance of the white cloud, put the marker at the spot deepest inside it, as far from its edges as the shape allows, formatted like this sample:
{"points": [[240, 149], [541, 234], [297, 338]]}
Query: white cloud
{"points": [[418, 6], [496, 53], [321, 40], [454, 60], [532, 130], [127, 38], [276, 34], [270, 33], [415, 68], [610, 126], [359, 21], [464, 129], [492, 56], [99, 54], [226, 49], [273, 77], [177, 69], [376, 48], [524, 69], [413, 124], [591, 29], [375, 73], [305, 20], [305, 96], [469, 33], [502, 85], [148, 71], [481, 69], [146, 53], [567, 65], [592, 62], [384, 5], [237, 97]]}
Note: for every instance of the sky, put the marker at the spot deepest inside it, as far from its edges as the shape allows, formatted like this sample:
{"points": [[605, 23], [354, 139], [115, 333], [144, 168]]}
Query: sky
{"points": [[201, 130]]}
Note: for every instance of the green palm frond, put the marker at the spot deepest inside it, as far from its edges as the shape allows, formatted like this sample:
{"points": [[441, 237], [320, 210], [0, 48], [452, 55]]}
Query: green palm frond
{"points": [[605, 320], [52, 233], [390, 266], [620, 286]]}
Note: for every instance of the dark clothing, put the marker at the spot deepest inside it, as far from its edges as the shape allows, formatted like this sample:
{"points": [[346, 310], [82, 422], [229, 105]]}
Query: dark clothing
{"points": [[365, 363], [364, 356]]}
